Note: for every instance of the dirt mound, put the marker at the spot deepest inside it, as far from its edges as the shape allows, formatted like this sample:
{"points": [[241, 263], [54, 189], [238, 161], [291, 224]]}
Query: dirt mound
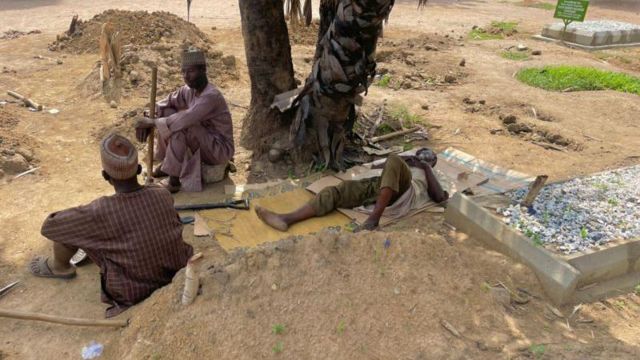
{"points": [[135, 27], [420, 63], [340, 296], [148, 39], [16, 154]]}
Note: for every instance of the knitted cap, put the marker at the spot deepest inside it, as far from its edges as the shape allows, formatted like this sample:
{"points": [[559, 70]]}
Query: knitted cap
{"points": [[119, 157], [193, 56]]}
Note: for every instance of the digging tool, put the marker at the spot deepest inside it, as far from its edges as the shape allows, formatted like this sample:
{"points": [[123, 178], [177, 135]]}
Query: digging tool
{"points": [[25, 315], [27, 102], [152, 115], [6, 289], [232, 204]]}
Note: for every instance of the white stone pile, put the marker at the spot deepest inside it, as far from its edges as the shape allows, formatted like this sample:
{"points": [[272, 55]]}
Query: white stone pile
{"points": [[581, 213], [602, 25]]}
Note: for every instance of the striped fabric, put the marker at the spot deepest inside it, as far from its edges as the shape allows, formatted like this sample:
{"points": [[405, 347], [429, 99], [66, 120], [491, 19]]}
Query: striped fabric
{"points": [[135, 238]]}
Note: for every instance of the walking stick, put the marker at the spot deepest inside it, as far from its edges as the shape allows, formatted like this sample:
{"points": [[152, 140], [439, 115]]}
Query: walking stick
{"points": [[152, 115]]}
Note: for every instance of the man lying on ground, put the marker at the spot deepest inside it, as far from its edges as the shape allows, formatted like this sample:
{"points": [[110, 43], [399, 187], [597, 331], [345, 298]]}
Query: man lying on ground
{"points": [[194, 127], [134, 236], [396, 187]]}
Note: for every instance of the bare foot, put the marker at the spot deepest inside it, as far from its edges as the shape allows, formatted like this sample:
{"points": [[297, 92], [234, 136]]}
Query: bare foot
{"points": [[272, 219]]}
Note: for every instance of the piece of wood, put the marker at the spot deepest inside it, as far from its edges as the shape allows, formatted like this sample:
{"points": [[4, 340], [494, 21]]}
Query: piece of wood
{"points": [[27, 102], [548, 146], [152, 115], [534, 190], [24, 315], [394, 134], [73, 25], [445, 324]]}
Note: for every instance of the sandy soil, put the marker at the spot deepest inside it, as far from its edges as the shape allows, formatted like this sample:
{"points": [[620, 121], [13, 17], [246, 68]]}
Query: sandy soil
{"points": [[604, 124]]}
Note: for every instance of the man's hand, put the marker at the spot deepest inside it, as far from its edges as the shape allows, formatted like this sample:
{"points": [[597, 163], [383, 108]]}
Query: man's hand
{"points": [[143, 126]]}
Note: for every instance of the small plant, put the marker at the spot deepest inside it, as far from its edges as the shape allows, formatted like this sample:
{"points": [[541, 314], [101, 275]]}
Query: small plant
{"points": [[341, 327], [515, 55], [482, 34], [613, 202], [485, 286], [402, 114], [546, 217], [277, 329], [637, 289], [537, 350], [278, 347], [620, 304], [601, 186], [384, 81], [292, 175], [584, 233], [537, 240], [505, 26], [384, 129], [407, 146]]}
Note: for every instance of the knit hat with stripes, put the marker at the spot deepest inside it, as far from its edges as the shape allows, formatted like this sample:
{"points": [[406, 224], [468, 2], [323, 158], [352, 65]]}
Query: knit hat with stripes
{"points": [[119, 157]]}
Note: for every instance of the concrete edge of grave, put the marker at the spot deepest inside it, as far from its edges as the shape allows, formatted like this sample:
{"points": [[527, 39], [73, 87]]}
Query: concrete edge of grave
{"points": [[585, 47], [605, 264], [558, 278], [611, 287]]}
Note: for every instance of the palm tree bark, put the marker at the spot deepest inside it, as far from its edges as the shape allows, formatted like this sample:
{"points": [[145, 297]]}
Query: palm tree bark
{"points": [[268, 52]]}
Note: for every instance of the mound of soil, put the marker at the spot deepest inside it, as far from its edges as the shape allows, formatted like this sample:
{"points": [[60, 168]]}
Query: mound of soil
{"points": [[148, 39], [135, 27], [419, 63], [16, 154], [341, 296]]}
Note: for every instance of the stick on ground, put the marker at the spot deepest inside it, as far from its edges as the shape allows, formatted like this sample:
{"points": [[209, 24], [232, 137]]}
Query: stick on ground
{"points": [[23, 315]]}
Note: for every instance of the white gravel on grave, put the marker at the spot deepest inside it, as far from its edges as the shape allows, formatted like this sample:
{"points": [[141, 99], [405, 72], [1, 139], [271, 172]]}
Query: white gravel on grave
{"points": [[602, 25], [582, 213]]}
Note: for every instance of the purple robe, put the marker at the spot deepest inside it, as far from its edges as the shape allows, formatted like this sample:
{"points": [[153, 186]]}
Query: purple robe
{"points": [[192, 130]]}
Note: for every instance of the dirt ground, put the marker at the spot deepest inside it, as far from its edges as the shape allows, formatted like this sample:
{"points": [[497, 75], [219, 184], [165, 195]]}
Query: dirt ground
{"points": [[344, 297]]}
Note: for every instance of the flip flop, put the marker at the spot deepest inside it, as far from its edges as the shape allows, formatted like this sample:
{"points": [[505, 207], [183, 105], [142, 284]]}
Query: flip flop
{"points": [[78, 258], [39, 267]]}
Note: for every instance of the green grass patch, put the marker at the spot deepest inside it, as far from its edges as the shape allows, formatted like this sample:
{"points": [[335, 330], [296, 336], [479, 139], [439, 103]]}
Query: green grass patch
{"points": [[384, 81], [342, 326], [408, 119], [505, 26], [277, 329], [538, 5], [515, 55], [578, 78], [278, 347], [537, 350]]}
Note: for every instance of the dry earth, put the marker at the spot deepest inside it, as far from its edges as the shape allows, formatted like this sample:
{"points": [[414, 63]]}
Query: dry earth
{"points": [[318, 288]]}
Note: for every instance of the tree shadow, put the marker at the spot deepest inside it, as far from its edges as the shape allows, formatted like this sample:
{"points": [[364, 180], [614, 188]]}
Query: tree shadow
{"points": [[25, 4]]}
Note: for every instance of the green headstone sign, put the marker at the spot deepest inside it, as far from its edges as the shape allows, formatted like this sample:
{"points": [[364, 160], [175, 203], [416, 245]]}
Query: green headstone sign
{"points": [[571, 10]]}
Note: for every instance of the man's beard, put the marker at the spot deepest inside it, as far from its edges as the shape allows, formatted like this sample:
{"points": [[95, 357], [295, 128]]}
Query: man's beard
{"points": [[199, 83]]}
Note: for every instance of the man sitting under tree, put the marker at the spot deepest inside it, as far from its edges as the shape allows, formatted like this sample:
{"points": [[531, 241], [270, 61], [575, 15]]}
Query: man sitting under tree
{"points": [[134, 236], [402, 179], [194, 127]]}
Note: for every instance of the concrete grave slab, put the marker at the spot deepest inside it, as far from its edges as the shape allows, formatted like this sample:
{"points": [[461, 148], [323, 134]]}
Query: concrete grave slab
{"points": [[594, 35], [583, 276]]}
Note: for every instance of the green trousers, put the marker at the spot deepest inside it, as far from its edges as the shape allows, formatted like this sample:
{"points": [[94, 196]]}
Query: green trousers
{"points": [[353, 193]]}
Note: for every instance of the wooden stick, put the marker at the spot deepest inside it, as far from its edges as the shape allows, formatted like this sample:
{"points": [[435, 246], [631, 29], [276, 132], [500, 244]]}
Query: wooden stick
{"points": [[24, 315], [152, 115], [27, 102], [394, 134], [534, 189]]}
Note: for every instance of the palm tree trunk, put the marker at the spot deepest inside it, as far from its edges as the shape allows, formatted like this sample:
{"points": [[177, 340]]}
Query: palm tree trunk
{"points": [[268, 52]]}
